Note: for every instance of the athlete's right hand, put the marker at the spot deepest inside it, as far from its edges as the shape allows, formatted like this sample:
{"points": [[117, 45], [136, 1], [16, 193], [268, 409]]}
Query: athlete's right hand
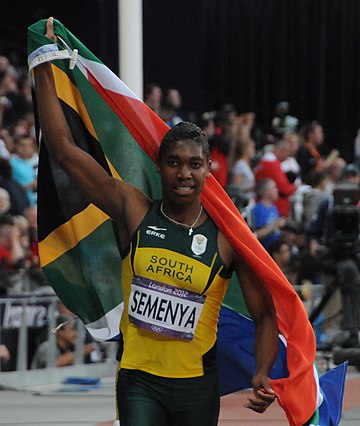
{"points": [[50, 29]]}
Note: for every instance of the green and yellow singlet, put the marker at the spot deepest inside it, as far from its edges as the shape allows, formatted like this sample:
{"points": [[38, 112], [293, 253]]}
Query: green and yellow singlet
{"points": [[173, 285]]}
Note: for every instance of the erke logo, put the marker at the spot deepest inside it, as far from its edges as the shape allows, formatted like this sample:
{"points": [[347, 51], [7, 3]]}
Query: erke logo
{"points": [[156, 228], [198, 245], [154, 231]]}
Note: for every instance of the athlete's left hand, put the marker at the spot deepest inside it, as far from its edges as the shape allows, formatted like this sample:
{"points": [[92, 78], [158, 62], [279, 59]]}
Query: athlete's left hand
{"points": [[264, 395]]}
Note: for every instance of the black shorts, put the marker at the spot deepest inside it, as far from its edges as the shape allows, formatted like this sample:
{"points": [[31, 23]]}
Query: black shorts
{"points": [[147, 400]]}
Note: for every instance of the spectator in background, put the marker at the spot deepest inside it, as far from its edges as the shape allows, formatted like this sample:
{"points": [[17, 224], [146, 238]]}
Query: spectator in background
{"points": [[36, 275], [18, 197], [31, 215], [319, 182], [220, 145], [153, 96], [242, 176], [65, 346], [321, 227], [8, 141], [293, 234], [66, 336], [22, 99], [4, 152], [280, 251], [335, 172], [4, 355], [266, 220], [5, 216], [351, 174], [7, 88], [308, 197], [167, 113], [244, 128], [24, 228], [172, 96], [12, 253], [283, 122], [207, 124], [245, 125], [20, 127], [310, 154], [290, 166], [270, 167], [24, 165]]}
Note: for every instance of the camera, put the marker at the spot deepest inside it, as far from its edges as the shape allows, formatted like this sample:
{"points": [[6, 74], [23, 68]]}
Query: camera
{"points": [[342, 233], [340, 260]]}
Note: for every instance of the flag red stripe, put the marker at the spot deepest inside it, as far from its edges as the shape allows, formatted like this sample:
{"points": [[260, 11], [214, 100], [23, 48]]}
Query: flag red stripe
{"points": [[143, 124]]}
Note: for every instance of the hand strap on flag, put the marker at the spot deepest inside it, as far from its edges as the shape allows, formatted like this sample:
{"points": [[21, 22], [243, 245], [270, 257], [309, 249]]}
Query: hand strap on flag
{"points": [[45, 50], [47, 53], [51, 52]]}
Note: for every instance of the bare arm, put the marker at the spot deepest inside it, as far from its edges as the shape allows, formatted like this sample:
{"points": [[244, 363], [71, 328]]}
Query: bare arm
{"points": [[238, 179], [67, 358], [17, 250], [261, 308], [266, 230], [124, 203]]}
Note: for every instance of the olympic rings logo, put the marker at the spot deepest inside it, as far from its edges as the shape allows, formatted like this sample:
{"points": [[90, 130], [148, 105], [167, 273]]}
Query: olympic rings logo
{"points": [[156, 329]]}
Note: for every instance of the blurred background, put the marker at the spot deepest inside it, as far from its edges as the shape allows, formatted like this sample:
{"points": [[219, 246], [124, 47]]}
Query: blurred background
{"points": [[252, 54]]}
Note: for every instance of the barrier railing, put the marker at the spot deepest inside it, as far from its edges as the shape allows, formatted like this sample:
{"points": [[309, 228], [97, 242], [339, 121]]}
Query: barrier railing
{"points": [[20, 313]]}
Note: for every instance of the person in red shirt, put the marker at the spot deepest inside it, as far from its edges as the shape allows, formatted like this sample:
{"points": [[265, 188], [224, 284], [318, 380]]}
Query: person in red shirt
{"points": [[221, 143], [11, 251], [270, 167]]}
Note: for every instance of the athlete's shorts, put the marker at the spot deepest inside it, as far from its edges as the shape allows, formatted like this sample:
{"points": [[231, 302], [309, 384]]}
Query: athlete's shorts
{"points": [[147, 400]]}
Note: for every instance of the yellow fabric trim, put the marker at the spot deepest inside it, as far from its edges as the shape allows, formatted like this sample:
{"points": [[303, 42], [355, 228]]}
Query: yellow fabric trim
{"points": [[70, 94], [212, 266], [68, 235]]}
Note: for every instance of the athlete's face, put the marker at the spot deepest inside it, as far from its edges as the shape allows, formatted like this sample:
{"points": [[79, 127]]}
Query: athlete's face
{"points": [[184, 169]]}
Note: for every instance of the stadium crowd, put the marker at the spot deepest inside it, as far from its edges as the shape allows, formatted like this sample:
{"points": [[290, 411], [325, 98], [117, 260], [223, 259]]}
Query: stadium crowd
{"points": [[280, 177]]}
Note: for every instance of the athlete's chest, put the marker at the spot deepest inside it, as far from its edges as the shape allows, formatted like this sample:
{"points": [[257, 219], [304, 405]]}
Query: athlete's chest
{"points": [[167, 253]]}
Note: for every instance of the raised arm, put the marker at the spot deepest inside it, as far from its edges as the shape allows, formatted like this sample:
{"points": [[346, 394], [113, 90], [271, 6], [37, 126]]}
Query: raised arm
{"points": [[124, 203]]}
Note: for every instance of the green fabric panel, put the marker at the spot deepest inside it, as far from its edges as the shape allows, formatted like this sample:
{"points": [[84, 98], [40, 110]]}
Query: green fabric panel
{"points": [[234, 298], [79, 278], [38, 38]]}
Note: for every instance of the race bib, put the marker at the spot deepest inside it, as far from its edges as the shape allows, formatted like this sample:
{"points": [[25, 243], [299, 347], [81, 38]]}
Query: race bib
{"points": [[164, 309]]}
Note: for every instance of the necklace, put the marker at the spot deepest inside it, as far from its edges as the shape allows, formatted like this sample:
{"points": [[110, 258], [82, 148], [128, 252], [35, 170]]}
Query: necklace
{"points": [[182, 224]]}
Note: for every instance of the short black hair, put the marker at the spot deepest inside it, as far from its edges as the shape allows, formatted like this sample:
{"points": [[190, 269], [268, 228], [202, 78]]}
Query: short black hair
{"points": [[275, 246], [309, 128], [261, 186], [184, 131]]}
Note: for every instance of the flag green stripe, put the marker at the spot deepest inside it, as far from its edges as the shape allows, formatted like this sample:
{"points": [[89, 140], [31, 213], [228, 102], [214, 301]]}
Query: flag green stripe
{"points": [[36, 38], [68, 235], [71, 274], [234, 298]]}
